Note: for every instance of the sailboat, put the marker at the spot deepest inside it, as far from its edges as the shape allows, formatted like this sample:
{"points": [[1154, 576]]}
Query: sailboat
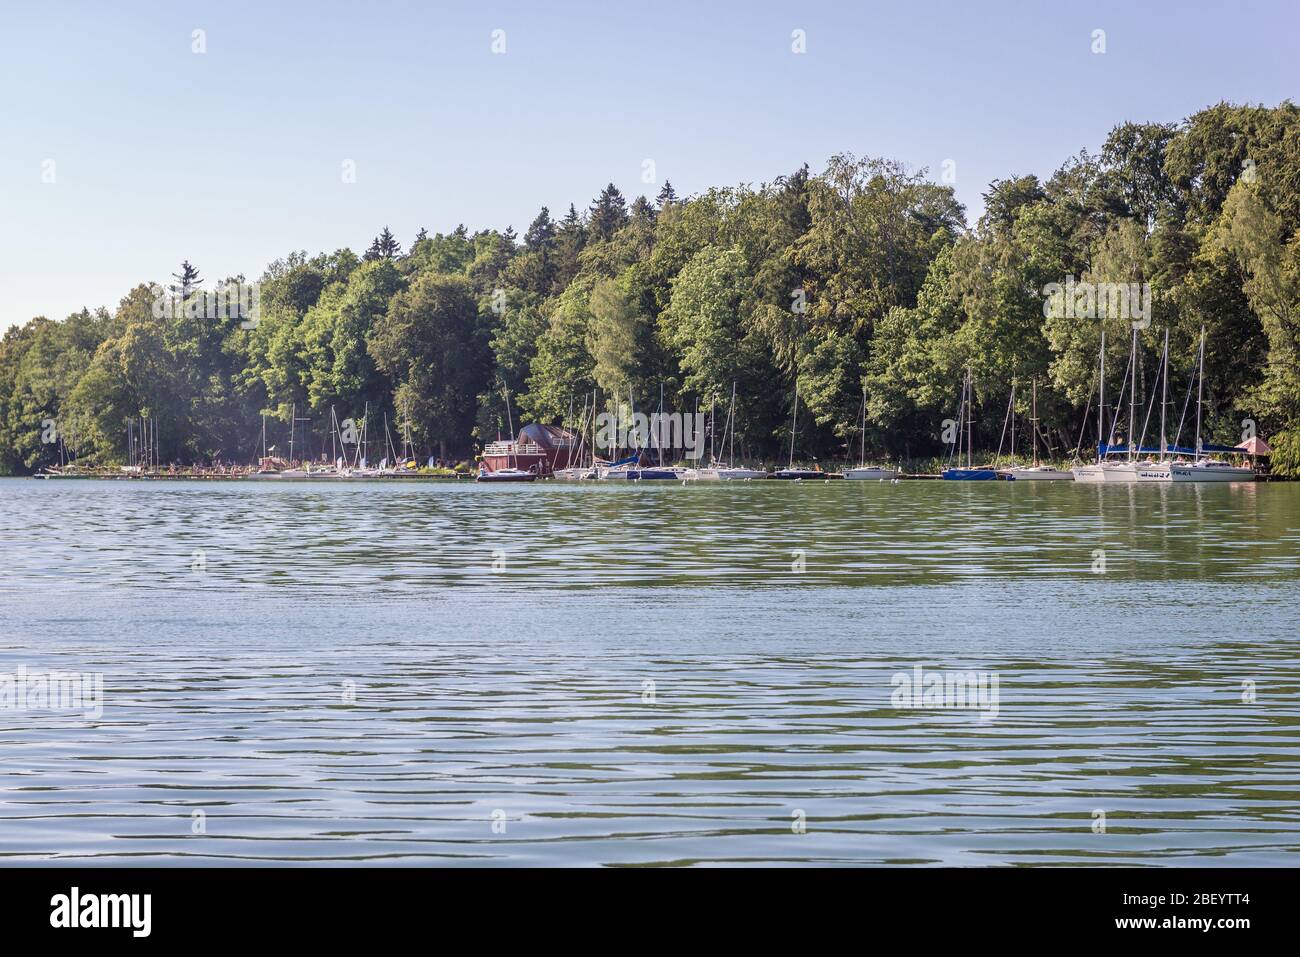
{"points": [[510, 473], [630, 468], [266, 466], [660, 471], [1202, 469], [404, 463], [707, 473], [864, 472], [1158, 470], [1106, 469], [301, 470], [729, 472], [1036, 472], [790, 472], [575, 471], [360, 468], [968, 472]]}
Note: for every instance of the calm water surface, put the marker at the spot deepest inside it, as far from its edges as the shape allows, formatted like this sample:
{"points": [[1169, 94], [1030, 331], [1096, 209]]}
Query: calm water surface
{"points": [[609, 675]]}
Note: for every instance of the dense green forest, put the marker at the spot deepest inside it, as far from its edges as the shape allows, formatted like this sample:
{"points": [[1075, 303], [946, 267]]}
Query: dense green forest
{"points": [[863, 275]]}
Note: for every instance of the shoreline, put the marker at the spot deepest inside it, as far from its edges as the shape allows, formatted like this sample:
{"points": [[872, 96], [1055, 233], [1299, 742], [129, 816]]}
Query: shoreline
{"points": [[455, 479]]}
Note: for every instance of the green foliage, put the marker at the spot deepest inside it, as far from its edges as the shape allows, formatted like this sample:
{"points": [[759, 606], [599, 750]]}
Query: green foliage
{"points": [[614, 337], [702, 324], [862, 275], [1286, 454], [563, 367], [430, 346]]}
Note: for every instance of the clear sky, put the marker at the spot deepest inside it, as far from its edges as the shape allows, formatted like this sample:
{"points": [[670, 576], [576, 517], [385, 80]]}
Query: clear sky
{"points": [[234, 157]]}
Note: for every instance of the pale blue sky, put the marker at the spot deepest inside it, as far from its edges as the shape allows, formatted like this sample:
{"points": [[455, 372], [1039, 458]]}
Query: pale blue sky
{"points": [[233, 158]]}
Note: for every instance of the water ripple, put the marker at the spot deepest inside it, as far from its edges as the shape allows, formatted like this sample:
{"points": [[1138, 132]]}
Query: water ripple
{"points": [[337, 674]]}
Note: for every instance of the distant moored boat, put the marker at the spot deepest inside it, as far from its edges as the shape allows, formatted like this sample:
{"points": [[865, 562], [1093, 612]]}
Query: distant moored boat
{"points": [[1035, 472], [968, 472], [1204, 469], [864, 472], [1105, 470]]}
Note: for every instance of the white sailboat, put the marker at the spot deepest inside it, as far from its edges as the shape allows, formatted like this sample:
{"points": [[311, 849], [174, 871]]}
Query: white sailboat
{"points": [[576, 471], [1036, 472], [301, 470], [1158, 470], [511, 473], [708, 473], [864, 472], [1211, 470], [404, 463], [1106, 470], [360, 467], [1207, 469], [729, 472]]}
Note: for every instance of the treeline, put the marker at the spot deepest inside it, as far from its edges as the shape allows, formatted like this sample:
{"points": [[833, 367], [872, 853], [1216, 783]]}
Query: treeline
{"points": [[861, 276]]}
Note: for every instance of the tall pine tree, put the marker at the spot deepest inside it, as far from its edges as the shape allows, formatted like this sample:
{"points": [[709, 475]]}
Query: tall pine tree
{"points": [[541, 234], [187, 280], [385, 246], [608, 213]]}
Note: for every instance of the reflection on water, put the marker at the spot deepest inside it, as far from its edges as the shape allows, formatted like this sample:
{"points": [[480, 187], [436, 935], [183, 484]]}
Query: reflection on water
{"points": [[553, 674]]}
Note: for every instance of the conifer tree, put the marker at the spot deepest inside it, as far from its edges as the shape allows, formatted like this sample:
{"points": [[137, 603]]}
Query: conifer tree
{"points": [[608, 213], [187, 280]]}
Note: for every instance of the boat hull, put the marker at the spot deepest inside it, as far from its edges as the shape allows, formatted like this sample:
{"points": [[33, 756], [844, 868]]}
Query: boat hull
{"points": [[575, 475], [506, 475], [1211, 473], [798, 475], [1154, 472], [1120, 474], [870, 474], [970, 475], [1040, 474]]}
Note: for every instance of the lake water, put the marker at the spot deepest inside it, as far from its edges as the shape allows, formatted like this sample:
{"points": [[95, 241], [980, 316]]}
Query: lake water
{"points": [[609, 675]]}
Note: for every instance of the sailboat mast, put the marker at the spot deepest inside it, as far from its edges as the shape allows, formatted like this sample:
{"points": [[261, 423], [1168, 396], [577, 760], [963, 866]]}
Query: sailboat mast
{"points": [[970, 417], [863, 455], [510, 424], [1101, 397], [1132, 394], [731, 423], [659, 445], [1011, 411], [713, 428], [793, 419], [1033, 418], [1164, 397], [632, 436], [1200, 387]]}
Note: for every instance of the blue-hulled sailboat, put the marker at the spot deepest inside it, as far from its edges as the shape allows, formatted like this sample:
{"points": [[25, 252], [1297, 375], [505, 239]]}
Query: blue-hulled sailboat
{"points": [[968, 472]]}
